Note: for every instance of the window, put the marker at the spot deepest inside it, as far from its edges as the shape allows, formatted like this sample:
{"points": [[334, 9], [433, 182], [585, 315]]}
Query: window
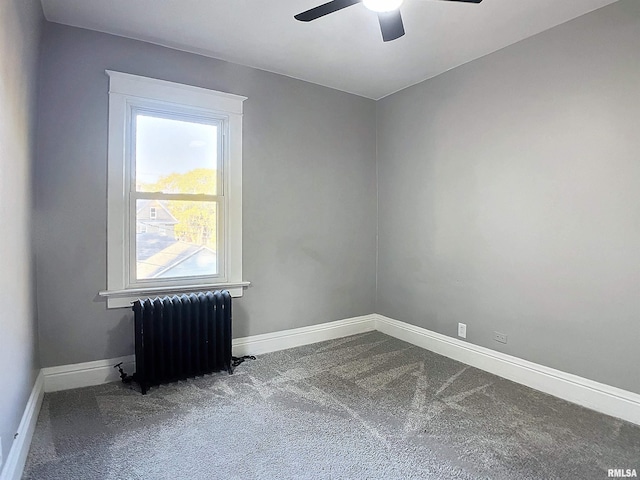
{"points": [[174, 189]]}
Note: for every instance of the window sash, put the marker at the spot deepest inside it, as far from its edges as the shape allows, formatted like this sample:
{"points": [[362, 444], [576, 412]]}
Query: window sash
{"points": [[188, 114], [188, 197], [174, 112], [134, 282]]}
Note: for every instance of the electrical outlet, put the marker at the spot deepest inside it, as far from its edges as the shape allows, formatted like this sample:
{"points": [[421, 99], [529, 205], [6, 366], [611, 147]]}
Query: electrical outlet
{"points": [[462, 330], [500, 337]]}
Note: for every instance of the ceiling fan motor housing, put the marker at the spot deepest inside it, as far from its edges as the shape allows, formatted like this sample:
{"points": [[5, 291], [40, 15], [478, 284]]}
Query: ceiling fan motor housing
{"points": [[382, 5]]}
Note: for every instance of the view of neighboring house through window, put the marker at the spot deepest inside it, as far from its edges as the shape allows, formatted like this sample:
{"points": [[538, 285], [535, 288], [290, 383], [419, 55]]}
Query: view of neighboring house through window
{"points": [[177, 193]]}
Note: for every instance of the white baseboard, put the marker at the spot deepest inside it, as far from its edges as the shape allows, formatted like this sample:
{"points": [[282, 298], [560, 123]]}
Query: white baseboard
{"points": [[296, 337], [596, 396], [66, 377], [14, 466], [87, 374]]}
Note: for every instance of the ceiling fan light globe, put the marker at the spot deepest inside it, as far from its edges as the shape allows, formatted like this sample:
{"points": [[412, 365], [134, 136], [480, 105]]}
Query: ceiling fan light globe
{"points": [[382, 5]]}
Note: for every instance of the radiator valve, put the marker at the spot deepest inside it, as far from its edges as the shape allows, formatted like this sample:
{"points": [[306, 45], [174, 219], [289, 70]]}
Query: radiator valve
{"points": [[125, 377]]}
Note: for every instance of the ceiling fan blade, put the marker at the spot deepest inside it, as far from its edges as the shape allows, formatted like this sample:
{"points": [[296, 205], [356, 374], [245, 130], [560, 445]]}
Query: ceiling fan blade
{"points": [[325, 9], [391, 25], [466, 1]]}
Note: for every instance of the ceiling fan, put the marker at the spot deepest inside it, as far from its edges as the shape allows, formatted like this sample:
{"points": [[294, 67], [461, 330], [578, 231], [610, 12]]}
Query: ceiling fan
{"points": [[388, 14]]}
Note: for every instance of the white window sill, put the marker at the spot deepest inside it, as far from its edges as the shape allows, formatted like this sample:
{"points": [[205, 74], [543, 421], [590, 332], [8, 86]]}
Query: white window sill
{"points": [[125, 298]]}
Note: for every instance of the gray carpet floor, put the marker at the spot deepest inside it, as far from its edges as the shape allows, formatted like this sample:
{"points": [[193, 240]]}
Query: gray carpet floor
{"points": [[362, 407]]}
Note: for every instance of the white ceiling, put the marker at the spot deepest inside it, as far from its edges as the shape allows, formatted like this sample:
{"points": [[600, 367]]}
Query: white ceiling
{"points": [[343, 50]]}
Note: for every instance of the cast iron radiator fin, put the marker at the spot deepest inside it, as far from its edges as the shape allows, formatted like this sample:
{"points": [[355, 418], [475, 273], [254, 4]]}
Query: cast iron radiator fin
{"points": [[182, 336]]}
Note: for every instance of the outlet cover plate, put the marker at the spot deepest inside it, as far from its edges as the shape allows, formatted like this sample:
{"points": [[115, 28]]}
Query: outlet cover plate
{"points": [[462, 330], [500, 337]]}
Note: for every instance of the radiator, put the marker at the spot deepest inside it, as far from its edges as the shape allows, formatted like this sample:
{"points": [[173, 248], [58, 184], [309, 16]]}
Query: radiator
{"points": [[180, 337]]}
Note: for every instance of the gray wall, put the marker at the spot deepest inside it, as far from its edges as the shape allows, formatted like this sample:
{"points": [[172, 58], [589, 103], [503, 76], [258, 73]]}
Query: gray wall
{"points": [[20, 26], [509, 199], [309, 194]]}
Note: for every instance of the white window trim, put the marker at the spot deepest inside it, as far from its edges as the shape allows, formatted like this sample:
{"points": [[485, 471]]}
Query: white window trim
{"points": [[126, 90]]}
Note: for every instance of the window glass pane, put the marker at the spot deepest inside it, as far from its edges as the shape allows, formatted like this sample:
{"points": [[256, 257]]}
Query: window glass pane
{"points": [[175, 155], [181, 241]]}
